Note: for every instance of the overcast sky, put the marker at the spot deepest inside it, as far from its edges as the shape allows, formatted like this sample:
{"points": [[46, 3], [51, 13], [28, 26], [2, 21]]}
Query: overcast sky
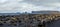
{"points": [[12, 6]]}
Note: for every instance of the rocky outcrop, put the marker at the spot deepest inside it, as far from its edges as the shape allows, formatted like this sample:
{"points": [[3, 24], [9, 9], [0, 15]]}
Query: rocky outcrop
{"points": [[28, 20]]}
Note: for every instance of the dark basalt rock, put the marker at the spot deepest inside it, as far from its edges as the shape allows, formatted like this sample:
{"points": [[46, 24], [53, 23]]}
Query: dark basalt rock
{"points": [[1, 24], [33, 20]]}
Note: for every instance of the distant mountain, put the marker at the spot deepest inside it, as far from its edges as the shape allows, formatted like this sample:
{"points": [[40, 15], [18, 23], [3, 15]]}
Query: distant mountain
{"points": [[45, 12], [33, 12], [9, 14]]}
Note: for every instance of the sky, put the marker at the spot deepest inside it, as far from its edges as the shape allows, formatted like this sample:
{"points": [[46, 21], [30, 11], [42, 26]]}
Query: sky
{"points": [[12, 6]]}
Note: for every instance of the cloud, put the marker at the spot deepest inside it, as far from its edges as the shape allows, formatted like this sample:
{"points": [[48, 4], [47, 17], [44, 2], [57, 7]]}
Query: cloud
{"points": [[53, 4], [43, 2], [2, 1], [22, 7], [8, 6]]}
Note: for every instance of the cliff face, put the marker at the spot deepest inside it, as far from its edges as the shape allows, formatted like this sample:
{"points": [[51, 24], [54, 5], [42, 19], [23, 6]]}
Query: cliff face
{"points": [[28, 20]]}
